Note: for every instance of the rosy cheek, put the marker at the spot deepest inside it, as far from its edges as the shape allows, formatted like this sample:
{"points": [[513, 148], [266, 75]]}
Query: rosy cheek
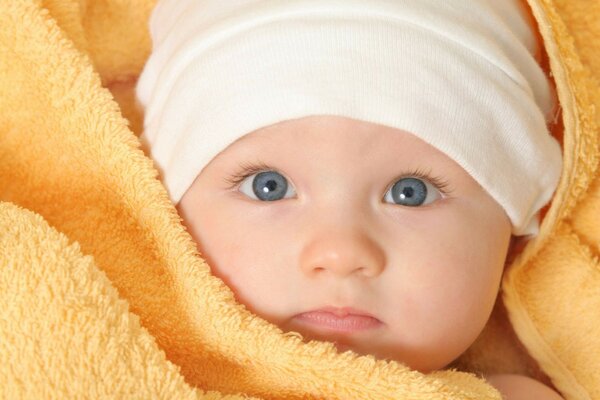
{"points": [[247, 253], [452, 276]]}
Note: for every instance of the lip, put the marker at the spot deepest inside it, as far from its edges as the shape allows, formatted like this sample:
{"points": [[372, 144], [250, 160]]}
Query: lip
{"points": [[340, 319]]}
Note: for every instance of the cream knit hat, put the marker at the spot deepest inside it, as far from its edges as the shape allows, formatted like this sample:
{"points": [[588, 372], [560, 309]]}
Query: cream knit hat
{"points": [[459, 74]]}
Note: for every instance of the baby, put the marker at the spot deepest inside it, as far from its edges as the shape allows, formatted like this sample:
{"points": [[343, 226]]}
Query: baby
{"points": [[356, 171]]}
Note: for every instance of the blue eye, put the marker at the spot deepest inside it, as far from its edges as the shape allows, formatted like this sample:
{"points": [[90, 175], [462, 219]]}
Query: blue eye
{"points": [[412, 192], [266, 186]]}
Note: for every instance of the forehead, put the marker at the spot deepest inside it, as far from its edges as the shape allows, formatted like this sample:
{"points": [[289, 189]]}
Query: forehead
{"points": [[332, 137]]}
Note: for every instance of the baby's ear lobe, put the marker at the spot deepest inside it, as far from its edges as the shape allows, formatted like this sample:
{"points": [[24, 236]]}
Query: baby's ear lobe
{"points": [[516, 246]]}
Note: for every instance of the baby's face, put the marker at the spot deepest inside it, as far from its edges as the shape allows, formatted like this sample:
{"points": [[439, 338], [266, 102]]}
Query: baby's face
{"points": [[333, 235]]}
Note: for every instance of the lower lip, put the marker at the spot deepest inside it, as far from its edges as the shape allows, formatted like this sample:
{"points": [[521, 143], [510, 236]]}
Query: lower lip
{"points": [[348, 323]]}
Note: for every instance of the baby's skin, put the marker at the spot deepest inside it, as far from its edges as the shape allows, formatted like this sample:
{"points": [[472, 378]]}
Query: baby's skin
{"points": [[359, 234]]}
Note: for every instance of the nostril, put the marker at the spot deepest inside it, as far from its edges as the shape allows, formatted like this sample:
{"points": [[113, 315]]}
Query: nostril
{"points": [[366, 272]]}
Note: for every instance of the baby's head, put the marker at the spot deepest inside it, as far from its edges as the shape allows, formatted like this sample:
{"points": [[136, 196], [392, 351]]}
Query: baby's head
{"points": [[353, 170]]}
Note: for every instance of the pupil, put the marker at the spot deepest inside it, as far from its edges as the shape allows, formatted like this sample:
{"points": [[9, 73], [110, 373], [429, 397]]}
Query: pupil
{"points": [[270, 186], [408, 192]]}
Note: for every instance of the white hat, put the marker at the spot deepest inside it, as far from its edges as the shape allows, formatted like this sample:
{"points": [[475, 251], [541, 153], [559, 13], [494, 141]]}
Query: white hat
{"points": [[461, 75]]}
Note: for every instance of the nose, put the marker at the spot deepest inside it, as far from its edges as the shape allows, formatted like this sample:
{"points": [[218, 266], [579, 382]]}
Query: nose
{"points": [[343, 254]]}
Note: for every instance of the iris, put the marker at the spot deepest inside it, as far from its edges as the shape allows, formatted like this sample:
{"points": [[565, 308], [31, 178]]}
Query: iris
{"points": [[269, 186], [409, 192]]}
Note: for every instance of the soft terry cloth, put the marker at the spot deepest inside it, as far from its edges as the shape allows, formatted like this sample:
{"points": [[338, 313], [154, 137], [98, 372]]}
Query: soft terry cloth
{"points": [[102, 293]]}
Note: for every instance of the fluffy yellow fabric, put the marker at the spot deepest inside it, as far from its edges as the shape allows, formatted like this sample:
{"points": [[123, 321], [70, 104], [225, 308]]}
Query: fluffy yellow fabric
{"points": [[102, 292], [552, 291]]}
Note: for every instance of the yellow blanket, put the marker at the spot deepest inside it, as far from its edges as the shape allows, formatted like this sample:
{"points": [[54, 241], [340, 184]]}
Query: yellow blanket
{"points": [[103, 294]]}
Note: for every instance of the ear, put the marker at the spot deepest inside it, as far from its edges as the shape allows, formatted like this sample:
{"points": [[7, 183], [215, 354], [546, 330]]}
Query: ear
{"points": [[515, 247]]}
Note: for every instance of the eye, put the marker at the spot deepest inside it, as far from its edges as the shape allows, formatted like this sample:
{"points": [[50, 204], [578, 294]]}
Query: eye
{"points": [[412, 192], [267, 186]]}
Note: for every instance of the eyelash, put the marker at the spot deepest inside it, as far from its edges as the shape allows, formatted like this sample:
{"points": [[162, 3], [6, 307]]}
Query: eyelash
{"points": [[248, 169], [440, 184]]}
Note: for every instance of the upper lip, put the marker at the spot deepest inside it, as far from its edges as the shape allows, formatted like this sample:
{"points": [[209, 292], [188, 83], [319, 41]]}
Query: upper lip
{"points": [[342, 311]]}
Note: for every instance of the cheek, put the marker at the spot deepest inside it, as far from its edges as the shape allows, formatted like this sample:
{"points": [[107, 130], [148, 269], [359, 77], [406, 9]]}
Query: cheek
{"points": [[451, 270], [244, 250]]}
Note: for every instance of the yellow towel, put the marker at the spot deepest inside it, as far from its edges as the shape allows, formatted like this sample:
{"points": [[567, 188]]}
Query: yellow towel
{"points": [[103, 294]]}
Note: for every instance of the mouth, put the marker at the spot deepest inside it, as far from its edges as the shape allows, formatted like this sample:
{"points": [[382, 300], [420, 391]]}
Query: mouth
{"points": [[342, 320]]}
